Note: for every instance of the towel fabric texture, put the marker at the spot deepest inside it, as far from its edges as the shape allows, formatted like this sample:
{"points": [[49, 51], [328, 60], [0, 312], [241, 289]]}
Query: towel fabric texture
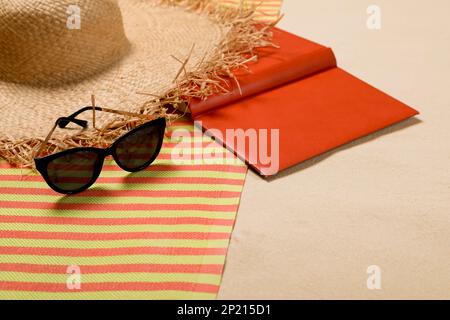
{"points": [[158, 234]]}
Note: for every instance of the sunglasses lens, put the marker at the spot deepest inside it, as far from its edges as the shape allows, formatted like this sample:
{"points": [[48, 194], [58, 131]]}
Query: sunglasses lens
{"points": [[139, 149], [74, 171]]}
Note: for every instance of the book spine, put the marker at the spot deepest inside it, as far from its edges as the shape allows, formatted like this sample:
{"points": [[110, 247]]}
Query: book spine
{"points": [[280, 74]]}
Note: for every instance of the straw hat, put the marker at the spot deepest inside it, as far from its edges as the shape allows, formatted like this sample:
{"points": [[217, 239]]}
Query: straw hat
{"points": [[134, 55]]}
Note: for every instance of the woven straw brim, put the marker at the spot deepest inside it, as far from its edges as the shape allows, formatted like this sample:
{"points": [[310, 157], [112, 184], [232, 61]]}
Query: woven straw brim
{"points": [[155, 33], [162, 37]]}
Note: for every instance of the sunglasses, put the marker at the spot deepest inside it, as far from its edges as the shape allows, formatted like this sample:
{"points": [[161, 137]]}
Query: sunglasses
{"points": [[75, 170]]}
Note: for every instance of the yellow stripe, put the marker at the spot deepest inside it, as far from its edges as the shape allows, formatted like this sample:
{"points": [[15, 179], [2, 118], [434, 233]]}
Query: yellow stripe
{"points": [[121, 200], [71, 244], [196, 150], [114, 229], [22, 175], [146, 295], [191, 161], [113, 277], [193, 142], [189, 128], [229, 161], [179, 174], [143, 174], [118, 215], [133, 259], [135, 186]]}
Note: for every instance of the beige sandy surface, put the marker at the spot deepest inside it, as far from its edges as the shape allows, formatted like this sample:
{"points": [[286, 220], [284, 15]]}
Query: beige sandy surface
{"points": [[385, 200]]}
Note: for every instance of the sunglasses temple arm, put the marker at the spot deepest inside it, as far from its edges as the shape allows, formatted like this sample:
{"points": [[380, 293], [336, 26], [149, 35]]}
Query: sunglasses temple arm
{"points": [[123, 113], [62, 123], [44, 143], [94, 108], [93, 111], [129, 114]]}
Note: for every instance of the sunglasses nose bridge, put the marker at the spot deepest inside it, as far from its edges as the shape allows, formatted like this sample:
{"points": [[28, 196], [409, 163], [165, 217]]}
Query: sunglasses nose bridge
{"points": [[108, 151], [38, 165]]}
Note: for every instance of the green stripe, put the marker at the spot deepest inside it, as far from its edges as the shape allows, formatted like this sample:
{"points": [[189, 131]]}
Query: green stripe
{"points": [[72, 244], [235, 162], [138, 186], [134, 259], [224, 161], [112, 277], [189, 127], [190, 138], [149, 174], [121, 200], [115, 229], [146, 174], [187, 137], [212, 148], [197, 150], [119, 214], [144, 295]]}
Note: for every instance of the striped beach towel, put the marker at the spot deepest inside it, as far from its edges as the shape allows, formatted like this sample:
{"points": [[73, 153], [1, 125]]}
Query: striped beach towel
{"points": [[158, 234], [267, 10]]}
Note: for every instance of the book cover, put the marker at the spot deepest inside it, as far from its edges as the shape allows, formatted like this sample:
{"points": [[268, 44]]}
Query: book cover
{"points": [[293, 105]]}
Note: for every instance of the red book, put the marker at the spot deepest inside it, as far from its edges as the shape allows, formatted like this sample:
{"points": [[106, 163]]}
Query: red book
{"points": [[295, 104]]}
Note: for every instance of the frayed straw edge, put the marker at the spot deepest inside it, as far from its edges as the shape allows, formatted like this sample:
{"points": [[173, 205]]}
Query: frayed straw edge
{"points": [[210, 77]]}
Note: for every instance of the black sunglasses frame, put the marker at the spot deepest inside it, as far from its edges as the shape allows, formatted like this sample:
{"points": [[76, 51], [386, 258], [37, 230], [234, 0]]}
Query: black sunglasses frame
{"points": [[43, 162]]}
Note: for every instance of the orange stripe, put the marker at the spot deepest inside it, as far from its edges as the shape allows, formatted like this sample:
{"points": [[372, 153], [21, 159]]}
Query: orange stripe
{"points": [[190, 145], [111, 252], [115, 268], [110, 286], [170, 167], [115, 221], [197, 156], [128, 193], [23, 280], [7, 234], [139, 180], [116, 207], [157, 168]]}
